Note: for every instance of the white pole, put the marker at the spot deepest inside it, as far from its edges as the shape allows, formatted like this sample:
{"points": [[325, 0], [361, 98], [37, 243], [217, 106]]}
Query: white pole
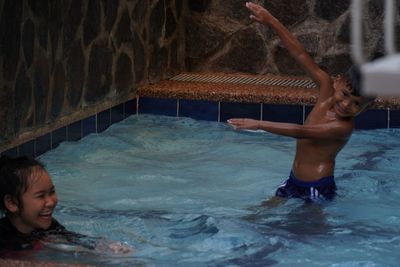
{"points": [[389, 27], [356, 33]]}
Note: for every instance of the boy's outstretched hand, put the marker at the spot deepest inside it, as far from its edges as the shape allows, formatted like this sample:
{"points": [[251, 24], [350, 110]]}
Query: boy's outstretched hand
{"points": [[244, 124], [259, 13]]}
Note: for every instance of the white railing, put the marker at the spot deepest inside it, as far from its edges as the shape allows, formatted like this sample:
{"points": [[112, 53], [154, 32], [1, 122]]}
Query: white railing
{"points": [[381, 76]]}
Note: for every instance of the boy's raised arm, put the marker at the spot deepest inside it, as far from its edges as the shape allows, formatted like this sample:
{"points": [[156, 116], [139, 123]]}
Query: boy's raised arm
{"points": [[295, 48]]}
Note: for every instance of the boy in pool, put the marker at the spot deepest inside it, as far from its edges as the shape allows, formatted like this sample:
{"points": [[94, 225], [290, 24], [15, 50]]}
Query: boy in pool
{"points": [[327, 128], [28, 199]]}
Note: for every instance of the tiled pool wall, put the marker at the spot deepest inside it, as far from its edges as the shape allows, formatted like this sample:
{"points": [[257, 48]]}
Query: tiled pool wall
{"points": [[196, 109]]}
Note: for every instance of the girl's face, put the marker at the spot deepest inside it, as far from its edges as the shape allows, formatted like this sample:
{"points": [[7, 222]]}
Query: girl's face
{"points": [[38, 203]]}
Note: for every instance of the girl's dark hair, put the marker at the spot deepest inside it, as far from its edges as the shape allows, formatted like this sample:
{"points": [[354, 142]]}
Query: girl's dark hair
{"points": [[14, 177]]}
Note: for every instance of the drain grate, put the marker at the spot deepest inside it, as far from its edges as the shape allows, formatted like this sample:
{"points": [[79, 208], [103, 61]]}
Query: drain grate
{"points": [[191, 77]]}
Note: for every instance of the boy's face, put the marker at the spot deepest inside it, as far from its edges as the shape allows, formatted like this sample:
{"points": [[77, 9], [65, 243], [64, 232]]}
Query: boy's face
{"points": [[346, 104], [38, 203]]}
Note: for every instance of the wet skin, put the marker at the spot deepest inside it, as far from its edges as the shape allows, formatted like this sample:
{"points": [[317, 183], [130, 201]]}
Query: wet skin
{"points": [[331, 121]]}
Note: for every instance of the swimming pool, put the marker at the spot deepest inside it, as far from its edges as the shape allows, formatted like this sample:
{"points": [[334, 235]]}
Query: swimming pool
{"points": [[188, 193]]}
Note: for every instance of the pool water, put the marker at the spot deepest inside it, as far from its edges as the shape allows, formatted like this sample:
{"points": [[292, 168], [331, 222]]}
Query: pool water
{"points": [[188, 193]]}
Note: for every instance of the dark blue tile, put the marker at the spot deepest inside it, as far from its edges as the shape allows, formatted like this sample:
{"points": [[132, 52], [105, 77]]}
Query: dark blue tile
{"points": [[117, 113], [199, 109], [159, 106], [74, 131], [89, 125], [239, 110], [283, 113], [103, 120], [27, 149], [307, 111], [12, 152], [43, 144], [372, 119], [130, 107], [58, 136], [394, 119]]}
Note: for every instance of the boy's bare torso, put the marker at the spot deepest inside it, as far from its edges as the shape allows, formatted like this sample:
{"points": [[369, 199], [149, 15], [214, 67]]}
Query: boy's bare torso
{"points": [[315, 158]]}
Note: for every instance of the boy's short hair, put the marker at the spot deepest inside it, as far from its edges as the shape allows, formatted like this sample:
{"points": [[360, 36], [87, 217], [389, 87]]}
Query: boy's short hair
{"points": [[353, 75]]}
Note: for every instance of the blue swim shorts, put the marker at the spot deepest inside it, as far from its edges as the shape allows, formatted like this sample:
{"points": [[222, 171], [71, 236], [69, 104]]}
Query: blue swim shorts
{"points": [[323, 189]]}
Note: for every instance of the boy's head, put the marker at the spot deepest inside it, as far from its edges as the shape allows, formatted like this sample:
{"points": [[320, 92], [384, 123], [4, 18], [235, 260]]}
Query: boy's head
{"points": [[353, 76], [27, 194], [348, 94]]}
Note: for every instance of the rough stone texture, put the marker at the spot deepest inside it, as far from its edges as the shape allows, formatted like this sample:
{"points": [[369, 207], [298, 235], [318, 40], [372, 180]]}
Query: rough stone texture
{"points": [[60, 57], [55, 24], [171, 24], [204, 36], [10, 37], [331, 9], [41, 86], [110, 8], [289, 12], [23, 96], [7, 114], [322, 26], [99, 73], [139, 12], [158, 63], [199, 5], [71, 24], [28, 34], [123, 33], [242, 42], [75, 74], [139, 58], [91, 23], [124, 79], [58, 89], [157, 20]]}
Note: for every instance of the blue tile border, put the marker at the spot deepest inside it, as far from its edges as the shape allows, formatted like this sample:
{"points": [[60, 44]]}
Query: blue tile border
{"points": [[196, 109], [394, 119], [12, 152], [283, 113], [89, 125], [117, 113], [239, 110], [58, 136], [103, 120], [130, 107], [158, 106], [43, 144], [74, 131], [27, 148], [199, 109], [372, 119]]}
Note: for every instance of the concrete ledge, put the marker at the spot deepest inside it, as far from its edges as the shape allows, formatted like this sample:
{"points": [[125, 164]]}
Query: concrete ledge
{"points": [[245, 93]]}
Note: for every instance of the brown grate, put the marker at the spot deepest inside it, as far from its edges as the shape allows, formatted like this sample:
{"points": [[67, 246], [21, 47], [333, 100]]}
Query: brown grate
{"points": [[292, 82]]}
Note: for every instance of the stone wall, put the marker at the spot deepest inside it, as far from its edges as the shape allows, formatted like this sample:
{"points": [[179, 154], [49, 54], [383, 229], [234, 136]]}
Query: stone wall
{"points": [[221, 37], [61, 56], [58, 57]]}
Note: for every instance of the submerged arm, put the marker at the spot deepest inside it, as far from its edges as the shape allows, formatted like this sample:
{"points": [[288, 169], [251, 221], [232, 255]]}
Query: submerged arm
{"points": [[295, 48]]}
